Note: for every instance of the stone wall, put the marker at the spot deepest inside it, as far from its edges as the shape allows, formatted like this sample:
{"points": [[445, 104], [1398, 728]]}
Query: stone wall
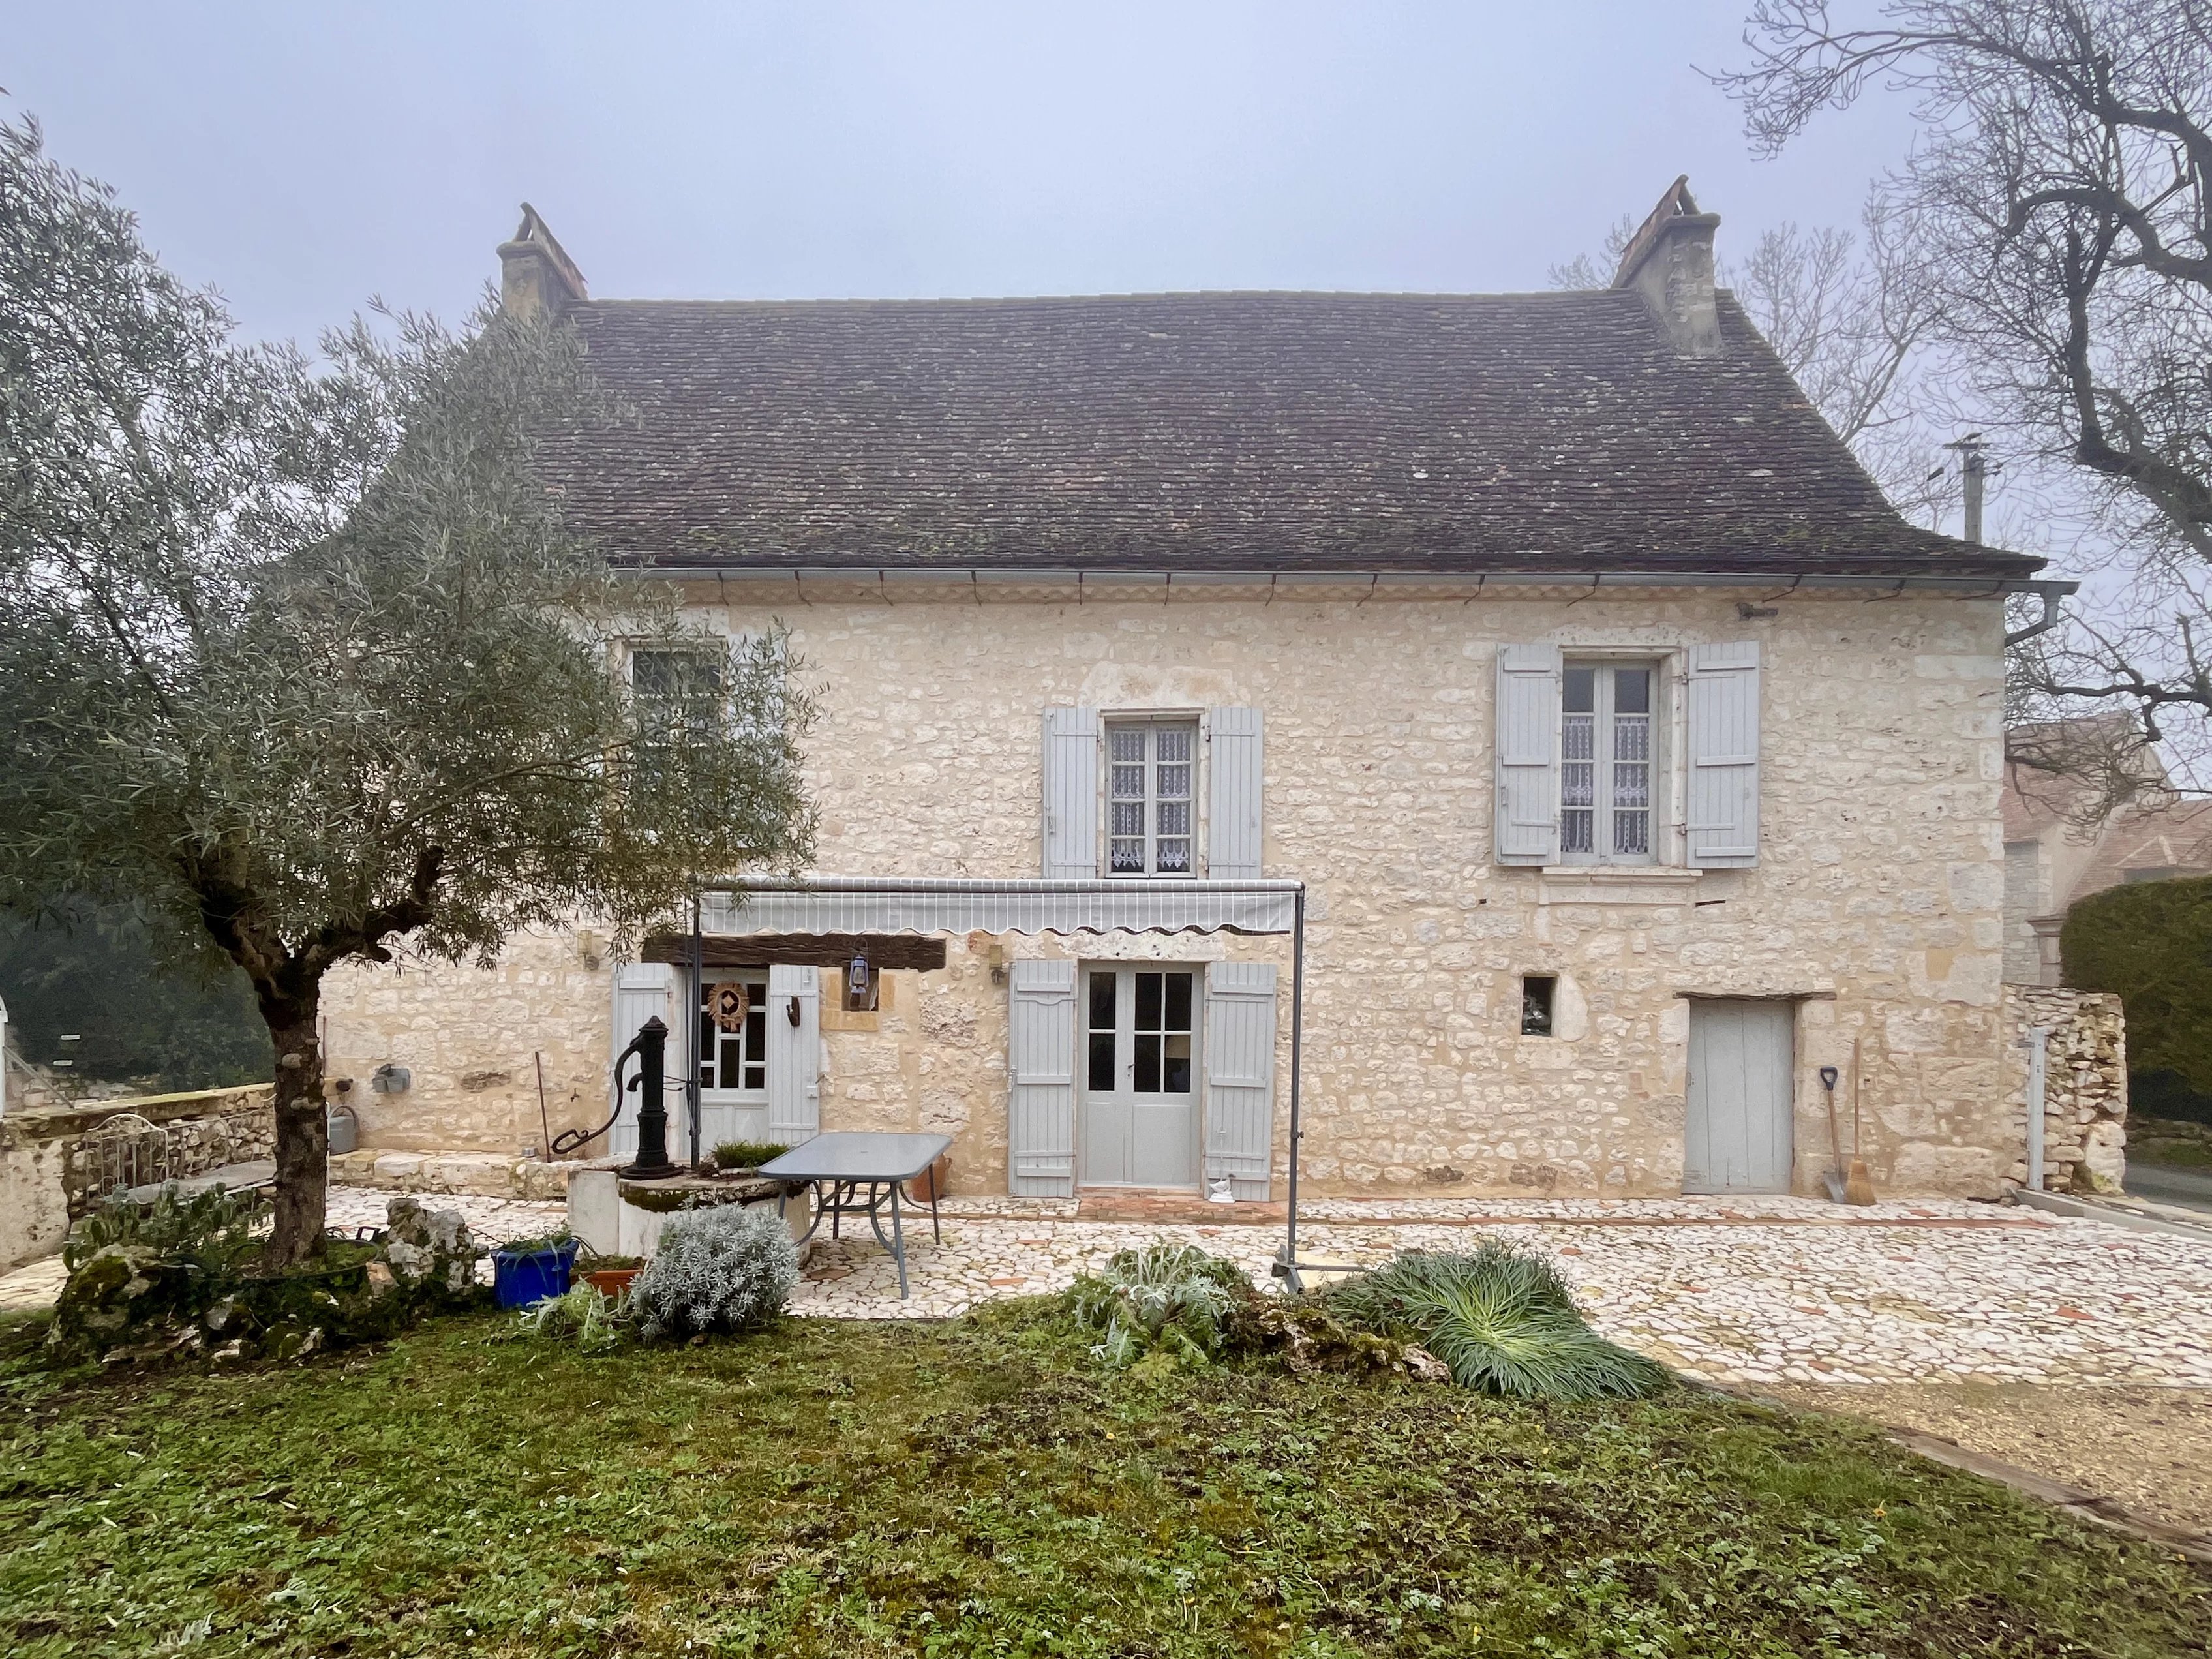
{"points": [[2085, 1097], [1877, 907], [51, 1171]]}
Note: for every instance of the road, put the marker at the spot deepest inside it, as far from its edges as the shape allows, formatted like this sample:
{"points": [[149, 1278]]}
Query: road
{"points": [[2163, 1183]]}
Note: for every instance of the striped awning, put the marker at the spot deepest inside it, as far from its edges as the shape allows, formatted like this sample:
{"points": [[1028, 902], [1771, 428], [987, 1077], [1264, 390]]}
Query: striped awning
{"points": [[854, 904]]}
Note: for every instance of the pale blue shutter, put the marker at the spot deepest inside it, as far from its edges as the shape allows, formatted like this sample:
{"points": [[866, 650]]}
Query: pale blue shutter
{"points": [[1240, 1075], [1041, 1068], [643, 991], [1232, 827], [1721, 813], [1070, 794], [794, 1053], [1526, 811]]}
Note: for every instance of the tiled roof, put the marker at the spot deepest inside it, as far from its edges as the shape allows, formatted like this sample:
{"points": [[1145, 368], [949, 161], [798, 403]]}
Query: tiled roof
{"points": [[1220, 432]]}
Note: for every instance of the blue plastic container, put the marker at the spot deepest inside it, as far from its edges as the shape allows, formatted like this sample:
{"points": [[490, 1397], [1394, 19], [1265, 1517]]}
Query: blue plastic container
{"points": [[519, 1277]]}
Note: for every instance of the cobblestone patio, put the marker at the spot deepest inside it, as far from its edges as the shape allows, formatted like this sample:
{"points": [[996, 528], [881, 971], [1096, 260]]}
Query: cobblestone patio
{"points": [[1744, 1291]]}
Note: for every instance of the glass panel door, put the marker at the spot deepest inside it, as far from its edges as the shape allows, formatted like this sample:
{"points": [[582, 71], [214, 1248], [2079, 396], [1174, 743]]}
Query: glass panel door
{"points": [[1140, 1098]]}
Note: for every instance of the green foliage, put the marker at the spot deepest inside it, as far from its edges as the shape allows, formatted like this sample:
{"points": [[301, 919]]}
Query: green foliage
{"points": [[592, 1322], [301, 656], [544, 1242], [1502, 1320], [1170, 1297], [214, 1230], [2151, 942], [747, 1154], [124, 986], [982, 1487]]}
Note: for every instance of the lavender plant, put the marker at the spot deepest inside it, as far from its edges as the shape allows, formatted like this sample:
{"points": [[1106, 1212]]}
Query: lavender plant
{"points": [[730, 1268]]}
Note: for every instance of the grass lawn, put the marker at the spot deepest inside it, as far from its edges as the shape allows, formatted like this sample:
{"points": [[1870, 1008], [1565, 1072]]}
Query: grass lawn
{"points": [[980, 1487]]}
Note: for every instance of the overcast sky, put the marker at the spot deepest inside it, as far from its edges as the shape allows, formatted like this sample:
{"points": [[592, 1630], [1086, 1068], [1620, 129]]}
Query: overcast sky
{"points": [[304, 157]]}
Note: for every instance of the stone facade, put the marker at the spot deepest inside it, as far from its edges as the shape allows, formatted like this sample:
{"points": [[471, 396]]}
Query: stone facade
{"points": [[2085, 1093], [1876, 906]]}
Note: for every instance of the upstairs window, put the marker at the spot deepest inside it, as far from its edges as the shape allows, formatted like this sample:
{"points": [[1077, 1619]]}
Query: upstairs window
{"points": [[1605, 763], [1152, 776]]}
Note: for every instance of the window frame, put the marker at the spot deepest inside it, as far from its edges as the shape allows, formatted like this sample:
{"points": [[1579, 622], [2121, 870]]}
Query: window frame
{"points": [[756, 980], [1151, 721], [1661, 847]]}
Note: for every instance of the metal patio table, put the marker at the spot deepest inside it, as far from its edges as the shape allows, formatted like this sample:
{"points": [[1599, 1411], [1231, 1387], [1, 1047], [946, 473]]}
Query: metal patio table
{"points": [[838, 1165]]}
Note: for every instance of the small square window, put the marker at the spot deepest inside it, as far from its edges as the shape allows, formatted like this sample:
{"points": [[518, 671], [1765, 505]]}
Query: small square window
{"points": [[1536, 992]]}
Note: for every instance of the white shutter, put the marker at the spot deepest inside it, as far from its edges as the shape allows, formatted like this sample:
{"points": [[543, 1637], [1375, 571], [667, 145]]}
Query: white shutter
{"points": [[643, 991], [1527, 810], [794, 1053], [1070, 794], [1041, 1066], [1232, 826], [1721, 811], [1240, 1075]]}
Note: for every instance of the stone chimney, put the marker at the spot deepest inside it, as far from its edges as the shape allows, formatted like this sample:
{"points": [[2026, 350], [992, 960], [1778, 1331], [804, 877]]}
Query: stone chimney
{"points": [[537, 278], [1669, 263]]}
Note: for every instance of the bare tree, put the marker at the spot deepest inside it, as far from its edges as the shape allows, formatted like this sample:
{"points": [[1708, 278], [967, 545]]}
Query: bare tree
{"points": [[2055, 210]]}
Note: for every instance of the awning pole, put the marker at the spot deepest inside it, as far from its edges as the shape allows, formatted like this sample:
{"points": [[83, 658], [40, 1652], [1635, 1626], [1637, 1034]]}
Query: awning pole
{"points": [[1297, 1049], [691, 1028]]}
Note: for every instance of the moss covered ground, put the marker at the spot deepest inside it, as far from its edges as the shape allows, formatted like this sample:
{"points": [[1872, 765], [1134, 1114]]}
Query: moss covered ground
{"points": [[982, 1487]]}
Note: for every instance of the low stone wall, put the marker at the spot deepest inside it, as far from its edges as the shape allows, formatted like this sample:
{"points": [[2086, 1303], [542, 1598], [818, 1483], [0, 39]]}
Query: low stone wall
{"points": [[485, 1174], [2085, 1101], [49, 1174]]}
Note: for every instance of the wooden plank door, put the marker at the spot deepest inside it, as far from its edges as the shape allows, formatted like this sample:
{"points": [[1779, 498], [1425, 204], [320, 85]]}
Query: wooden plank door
{"points": [[1738, 1138]]}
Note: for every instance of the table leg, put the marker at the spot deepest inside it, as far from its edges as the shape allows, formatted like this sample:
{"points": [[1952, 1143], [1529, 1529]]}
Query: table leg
{"points": [[935, 1231], [898, 1234]]}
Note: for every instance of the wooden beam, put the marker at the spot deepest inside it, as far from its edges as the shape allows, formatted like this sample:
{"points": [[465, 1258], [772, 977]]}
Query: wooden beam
{"points": [[804, 949]]}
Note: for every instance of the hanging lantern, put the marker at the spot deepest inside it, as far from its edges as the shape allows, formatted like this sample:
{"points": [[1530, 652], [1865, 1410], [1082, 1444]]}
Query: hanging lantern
{"points": [[856, 983], [729, 1005]]}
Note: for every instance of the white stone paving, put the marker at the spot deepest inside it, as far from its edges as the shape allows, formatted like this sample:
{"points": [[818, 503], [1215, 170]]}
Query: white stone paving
{"points": [[1743, 1290]]}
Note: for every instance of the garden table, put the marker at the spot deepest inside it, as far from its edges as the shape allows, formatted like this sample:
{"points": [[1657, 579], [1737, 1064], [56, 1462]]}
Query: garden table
{"points": [[838, 1165]]}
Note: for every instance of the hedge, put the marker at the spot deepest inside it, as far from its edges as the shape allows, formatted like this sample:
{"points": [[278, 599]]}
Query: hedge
{"points": [[2151, 942]]}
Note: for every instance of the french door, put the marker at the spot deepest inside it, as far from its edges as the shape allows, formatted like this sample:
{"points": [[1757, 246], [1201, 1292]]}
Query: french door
{"points": [[1140, 1077]]}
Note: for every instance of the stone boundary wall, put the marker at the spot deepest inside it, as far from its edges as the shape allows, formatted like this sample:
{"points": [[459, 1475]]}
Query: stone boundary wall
{"points": [[2085, 1102], [48, 1176]]}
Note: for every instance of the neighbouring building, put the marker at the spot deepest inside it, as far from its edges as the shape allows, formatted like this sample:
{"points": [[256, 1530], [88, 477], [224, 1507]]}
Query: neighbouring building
{"points": [[2065, 838], [1639, 760]]}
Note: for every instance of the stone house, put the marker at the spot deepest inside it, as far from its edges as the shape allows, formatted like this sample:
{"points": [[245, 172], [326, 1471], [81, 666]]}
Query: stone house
{"points": [[1637, 759]]}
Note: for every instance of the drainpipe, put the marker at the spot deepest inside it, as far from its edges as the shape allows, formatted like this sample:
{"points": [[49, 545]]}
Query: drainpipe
{"points": [[2039, 1075]]}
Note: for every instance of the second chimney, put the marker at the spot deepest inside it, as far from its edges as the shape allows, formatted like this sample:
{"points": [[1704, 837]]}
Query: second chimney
{"points": [[537, 278], [1669, 263]]}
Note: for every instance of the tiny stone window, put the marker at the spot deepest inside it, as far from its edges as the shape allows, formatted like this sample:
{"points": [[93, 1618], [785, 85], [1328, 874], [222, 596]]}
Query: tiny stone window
{"points": [[1537, 991]]}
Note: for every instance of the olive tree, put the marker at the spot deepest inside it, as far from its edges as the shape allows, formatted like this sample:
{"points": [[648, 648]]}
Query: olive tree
{"points": [[298, 651]]}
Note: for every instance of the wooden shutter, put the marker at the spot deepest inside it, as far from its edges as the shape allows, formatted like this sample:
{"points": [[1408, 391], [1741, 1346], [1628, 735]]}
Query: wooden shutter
{"points": [[1240, 1075], [1041, 1066], [1232, 825], [1722, 808], [1070, 794], [643, 991], [794, 1053], [1527, 790]]}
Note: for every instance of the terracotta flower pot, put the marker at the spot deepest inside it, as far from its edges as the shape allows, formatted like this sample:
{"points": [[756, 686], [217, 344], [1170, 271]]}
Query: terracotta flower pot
{"points": [[930, 1183], [612, 1281]]}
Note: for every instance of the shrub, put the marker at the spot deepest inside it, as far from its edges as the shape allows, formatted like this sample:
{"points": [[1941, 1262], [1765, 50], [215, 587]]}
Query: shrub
{"points": [[747, 1154], [730, 1268], [1173, 1298], [1502, 1320], [592, 1322], [2151, 942], [212, 1230]]}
